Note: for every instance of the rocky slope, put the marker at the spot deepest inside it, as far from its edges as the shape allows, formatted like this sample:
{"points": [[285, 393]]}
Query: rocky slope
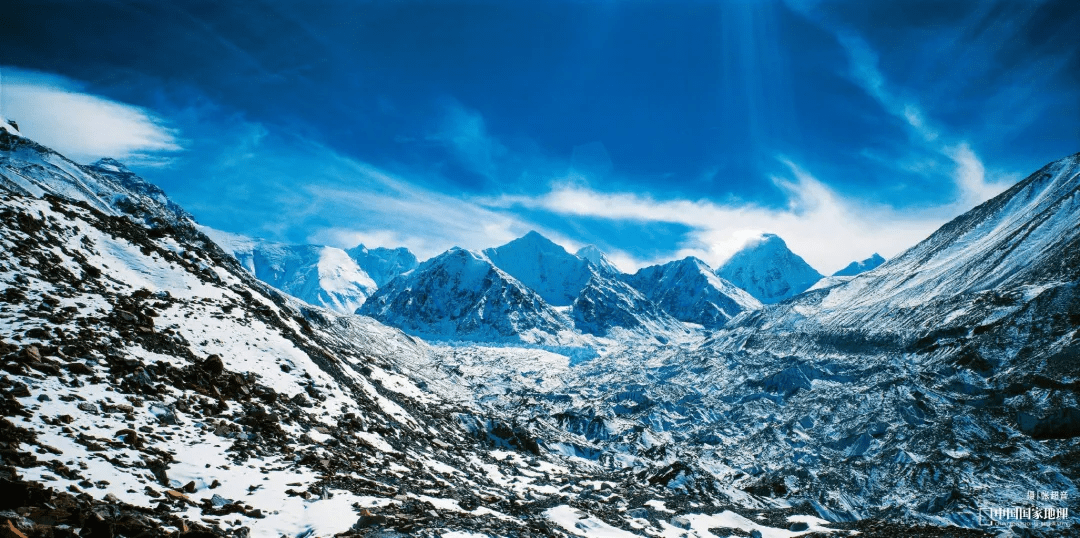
{"points": [[928, 391]]}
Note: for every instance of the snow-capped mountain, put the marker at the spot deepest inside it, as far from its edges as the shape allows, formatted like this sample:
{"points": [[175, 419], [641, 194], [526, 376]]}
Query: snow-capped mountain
{"points": [[545, 267], [383, 264], [982, 266], [690, 291], [599, 260], [150, 384], [855, 268], [852, 269], [529, 290], [462, 295], [319, 275], [766, 269]]}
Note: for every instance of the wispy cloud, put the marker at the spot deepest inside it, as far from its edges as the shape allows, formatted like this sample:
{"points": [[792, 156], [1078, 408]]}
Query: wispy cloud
{"points": [[57, 113], [465, 133], [970, 178], [826, 228], [389, 211]]}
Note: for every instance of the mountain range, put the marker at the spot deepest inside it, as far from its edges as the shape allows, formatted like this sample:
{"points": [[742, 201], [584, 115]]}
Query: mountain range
{"points": [[583, 292], [321, 275], [151, 383]]}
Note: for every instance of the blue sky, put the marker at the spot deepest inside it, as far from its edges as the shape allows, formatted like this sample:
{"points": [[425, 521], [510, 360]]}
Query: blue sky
{"points": [[654, 130]]}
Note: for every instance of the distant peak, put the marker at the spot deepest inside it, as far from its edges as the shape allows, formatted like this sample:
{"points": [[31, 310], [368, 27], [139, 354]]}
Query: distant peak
{"points": [[535, 237], [767, 239], [597, 258], [855, 268], [592, 253], [534, 240], [110, 164]]}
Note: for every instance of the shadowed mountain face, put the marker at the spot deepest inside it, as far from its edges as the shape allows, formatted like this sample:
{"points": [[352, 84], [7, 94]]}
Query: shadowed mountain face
{"points": [[768, 270]]}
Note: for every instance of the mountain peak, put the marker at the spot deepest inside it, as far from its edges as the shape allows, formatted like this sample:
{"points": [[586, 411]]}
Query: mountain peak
{"points": [[10, 126], [383, 264], [597, 257], [769, 270], [461, 294], [544, 266], [109, 164], [855, 268], [534, 240], [693, 261]]}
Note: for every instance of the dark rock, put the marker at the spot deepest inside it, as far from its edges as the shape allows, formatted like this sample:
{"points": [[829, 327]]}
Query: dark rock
{"points": [[214, 365]]}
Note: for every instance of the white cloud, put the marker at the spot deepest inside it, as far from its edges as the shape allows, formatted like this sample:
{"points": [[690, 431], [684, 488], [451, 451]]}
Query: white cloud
{"points": [[825, 228], [53, 111]]}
